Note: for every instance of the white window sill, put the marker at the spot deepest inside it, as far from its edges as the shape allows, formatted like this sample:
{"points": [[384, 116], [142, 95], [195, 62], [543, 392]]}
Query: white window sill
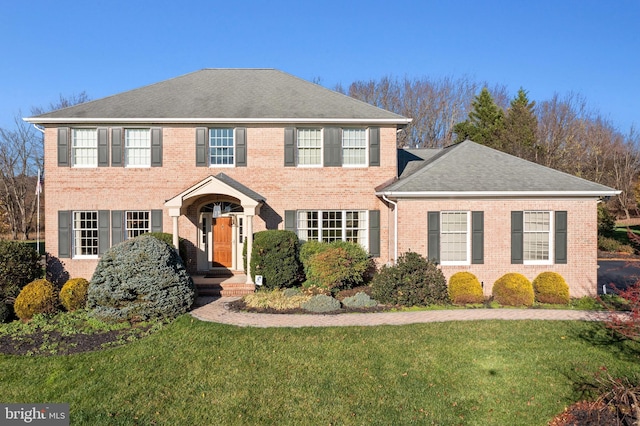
{"points": [[538, 262], [454, 263], [85, 257]]}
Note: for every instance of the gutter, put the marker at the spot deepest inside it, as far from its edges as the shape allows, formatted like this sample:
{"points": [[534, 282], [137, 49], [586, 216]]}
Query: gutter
{"points": [[395, 226], [225, 120], [496, 194]]}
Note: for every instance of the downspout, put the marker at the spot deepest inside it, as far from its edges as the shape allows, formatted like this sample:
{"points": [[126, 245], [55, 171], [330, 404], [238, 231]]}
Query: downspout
{"points": [[41, 129], [395, 226]]}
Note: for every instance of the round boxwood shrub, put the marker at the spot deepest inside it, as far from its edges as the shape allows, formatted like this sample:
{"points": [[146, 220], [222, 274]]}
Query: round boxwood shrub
{"points": [[464, 288], [37, 297], [74, 294], [139, 279], [413, 280], [513, 289], [19, 265], [550, 287], [275, 257]]}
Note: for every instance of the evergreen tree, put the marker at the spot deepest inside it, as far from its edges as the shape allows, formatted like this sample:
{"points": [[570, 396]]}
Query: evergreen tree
{"points": [[485, 122], [520, 126]]}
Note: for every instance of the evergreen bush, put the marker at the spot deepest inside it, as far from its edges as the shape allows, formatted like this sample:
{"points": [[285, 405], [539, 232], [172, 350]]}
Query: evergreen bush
{"points": [[37, 297], [338, 265], [550, 287], [606, 221], [464, 288], [168, 238], [513, 289], [359, 300], [413, 280], [275, 257], [139, 279], [321, 303], [73, 295], [19, 265]]}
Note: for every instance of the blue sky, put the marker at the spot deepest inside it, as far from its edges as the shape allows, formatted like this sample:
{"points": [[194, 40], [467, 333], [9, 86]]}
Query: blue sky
{"points": [[589, 47]]}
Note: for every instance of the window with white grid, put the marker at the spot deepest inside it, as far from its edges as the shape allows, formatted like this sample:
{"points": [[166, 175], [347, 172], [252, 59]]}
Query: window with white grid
{"points": [[333, 225], [85, 234], [221, 147], [137, 148], [84, 148], [309, 147], [354, 147], [536, 236], [454, 237], [137, 223]]}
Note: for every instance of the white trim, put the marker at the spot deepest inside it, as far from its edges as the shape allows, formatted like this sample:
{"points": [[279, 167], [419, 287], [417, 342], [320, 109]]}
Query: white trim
{"points": [[219, 120], [495, 194]]}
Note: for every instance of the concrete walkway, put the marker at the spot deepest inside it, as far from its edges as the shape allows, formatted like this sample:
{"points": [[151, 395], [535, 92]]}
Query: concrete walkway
{"points": [[216, 310]]}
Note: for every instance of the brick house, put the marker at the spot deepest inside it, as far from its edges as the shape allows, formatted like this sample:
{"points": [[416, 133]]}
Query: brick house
{"points": [[219, 154]]}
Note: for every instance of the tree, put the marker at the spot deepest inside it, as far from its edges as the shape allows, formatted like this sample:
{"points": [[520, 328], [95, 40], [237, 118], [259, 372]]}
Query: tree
{"points": [[485, 123], [520, 127]]}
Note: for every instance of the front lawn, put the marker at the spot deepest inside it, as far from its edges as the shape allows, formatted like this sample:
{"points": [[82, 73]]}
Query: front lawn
{"points": [[196, 373]]}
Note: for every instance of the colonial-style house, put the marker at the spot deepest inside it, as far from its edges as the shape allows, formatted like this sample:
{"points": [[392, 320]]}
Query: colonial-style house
{"points": [[219, 154]]}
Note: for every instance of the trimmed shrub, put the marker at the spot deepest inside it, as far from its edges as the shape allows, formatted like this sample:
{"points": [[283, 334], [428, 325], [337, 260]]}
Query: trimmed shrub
{"points": [[413, 280], [359, 300], [19, 265], [168, 238], [275, 257], [37, 297], [74, 294], [338, 265], [321, 303], [140, 279], [464, 288], [611, 244], [513, 289], [550, 287]]}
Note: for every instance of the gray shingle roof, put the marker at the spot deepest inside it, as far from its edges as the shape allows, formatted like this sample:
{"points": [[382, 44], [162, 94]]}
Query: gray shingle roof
{"points": [[240, 187], [232, 94], [474, 169]]}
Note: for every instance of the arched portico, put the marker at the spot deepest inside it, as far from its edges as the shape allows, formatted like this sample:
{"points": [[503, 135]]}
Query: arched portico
{"points": [[223, 188]]}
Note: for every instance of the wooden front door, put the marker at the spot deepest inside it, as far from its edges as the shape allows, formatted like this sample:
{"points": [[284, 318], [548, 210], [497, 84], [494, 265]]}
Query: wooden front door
{"points": [[222, 242]]}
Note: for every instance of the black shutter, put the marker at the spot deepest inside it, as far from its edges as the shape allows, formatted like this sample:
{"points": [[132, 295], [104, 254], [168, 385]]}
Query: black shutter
{"points": [[374, 146], [103, 231], [64, 234], [156, 147], [116, 146], [201, 147], [156, 220], [117, 227], [103, 147], [374, 233], [477, 237], [289, 147], [561, 237], [332, 147], [517, 231], [241, 147], [63, 146], [290, 220], [433, 236]]}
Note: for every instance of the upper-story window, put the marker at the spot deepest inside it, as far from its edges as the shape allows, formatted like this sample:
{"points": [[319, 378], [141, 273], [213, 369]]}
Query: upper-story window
{"points": [[354, 147], [137, 148], [309, 147], [221, 147], [536, 237], [84, 148]]}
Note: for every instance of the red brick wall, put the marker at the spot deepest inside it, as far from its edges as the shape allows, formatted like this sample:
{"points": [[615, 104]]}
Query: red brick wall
{"points": [[285, 188], [580, 272]]}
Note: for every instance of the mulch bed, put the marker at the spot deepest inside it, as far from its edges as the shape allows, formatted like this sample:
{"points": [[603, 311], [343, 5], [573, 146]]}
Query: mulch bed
{"points": [[586, 413]]}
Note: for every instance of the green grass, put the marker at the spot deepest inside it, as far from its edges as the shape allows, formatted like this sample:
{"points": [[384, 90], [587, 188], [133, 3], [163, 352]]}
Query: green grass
{"points": [[196, 373]]}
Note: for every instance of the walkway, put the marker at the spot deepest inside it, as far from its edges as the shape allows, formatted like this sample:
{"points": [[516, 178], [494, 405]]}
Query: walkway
{"points": [[215, 310]]}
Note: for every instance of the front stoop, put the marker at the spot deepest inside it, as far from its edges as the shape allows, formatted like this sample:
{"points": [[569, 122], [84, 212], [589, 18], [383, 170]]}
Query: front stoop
{"points": [[226, 285]]}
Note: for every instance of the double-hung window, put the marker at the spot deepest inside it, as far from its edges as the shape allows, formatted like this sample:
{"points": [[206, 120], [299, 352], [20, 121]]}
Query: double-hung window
{"points": [[137, 223], [354, 147], [536, 237], [85, 234], [455, 241], [137, 148], [221, 147], [309, 147], [84, 148], [333, 225]]}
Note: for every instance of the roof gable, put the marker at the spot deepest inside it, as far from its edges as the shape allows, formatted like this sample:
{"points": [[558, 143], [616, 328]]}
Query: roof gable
{"points": [[473, 169], [225, 94]]}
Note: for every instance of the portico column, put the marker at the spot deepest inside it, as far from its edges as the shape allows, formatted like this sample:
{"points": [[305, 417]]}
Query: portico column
{"points": [[249, 237], [175, 214]]}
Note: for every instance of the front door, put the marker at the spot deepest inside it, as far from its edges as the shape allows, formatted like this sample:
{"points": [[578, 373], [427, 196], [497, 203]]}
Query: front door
{"points": [[221, 253]]}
